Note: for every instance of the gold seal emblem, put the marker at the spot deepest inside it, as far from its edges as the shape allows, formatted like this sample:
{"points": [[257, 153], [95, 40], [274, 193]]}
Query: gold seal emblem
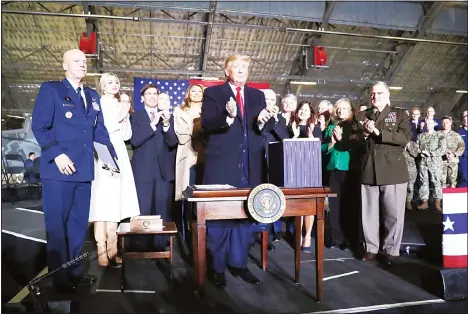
{"points": [[266, 203], [68, 115]]}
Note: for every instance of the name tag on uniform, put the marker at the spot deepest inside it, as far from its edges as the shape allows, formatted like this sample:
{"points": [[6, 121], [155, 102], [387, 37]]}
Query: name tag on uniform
{"points": [[391, 118], [68, 105]]}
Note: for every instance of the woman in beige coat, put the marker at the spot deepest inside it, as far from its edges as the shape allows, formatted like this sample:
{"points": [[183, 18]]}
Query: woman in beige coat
{"points": [[192, 141]]}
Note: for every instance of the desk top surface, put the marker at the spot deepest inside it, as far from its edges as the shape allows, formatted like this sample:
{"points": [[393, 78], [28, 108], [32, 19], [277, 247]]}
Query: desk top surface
{"points": [[192, 194]]}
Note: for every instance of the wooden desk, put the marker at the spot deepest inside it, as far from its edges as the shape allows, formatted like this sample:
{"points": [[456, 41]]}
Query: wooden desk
{"points": [[229, 204], [170, 229]]}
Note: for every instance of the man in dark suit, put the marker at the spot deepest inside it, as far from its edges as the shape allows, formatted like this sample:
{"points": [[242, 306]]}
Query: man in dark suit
{"points": [[233, 115], [30, 169], [383, 134], [154, 150], [66, 120]]}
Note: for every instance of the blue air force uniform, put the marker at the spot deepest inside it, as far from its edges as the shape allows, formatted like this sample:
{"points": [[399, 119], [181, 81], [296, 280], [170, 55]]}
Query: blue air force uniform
{"points": [[463, 164], [65, 121]]}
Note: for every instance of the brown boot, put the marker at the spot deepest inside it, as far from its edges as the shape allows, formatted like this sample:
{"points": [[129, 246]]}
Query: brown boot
{"points": [[103, 260], [423, 206], [409, 204], [437, 205]]}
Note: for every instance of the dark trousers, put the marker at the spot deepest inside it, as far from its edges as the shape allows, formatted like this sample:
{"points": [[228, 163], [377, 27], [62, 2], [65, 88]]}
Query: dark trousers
{"points": [[228, 242], [229, 246], [66, 212], [155, 198], [462, 172], [344, 208]]}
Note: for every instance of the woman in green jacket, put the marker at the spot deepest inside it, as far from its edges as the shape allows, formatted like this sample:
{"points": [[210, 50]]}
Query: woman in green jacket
{"points": [[337, 147]]}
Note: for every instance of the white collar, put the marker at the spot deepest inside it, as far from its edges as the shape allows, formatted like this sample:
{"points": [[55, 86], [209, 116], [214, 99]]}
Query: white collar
{"points": [[74, 85]]}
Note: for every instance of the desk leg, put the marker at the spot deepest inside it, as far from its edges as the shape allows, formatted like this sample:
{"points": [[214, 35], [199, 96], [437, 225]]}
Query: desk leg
{"points": [[122, 270], [297, 249], [319, 242], [199, 256]]}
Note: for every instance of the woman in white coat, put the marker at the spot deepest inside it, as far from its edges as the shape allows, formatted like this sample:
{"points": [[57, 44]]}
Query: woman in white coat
{"points": [[192, 142], [113, 197]]}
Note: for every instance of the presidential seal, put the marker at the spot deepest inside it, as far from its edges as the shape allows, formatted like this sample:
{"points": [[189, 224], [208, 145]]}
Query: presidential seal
{"points": [[266, 203]]}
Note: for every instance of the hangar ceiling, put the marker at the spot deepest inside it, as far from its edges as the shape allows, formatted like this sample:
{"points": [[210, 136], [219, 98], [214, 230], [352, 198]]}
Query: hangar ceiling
{"points": [[419, 46]]}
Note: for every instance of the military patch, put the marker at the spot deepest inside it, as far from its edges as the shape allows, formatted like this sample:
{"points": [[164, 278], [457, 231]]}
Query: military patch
{"points": [[68, 115], [391, 117], [96, 106], [266, 203]]}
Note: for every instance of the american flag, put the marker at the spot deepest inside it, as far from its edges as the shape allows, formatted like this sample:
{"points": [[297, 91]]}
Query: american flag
{"points": [[455, 233], [176, 89]]}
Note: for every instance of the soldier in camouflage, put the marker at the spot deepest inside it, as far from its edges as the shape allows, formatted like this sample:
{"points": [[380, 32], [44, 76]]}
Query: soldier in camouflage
{"points": [[432, 146], [455, 148], [411, 152]]}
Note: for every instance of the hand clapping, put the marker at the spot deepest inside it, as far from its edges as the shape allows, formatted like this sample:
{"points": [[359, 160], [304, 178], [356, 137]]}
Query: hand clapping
{"points": [[296, 130], [165, 116], [337, 133], [231, 108]]}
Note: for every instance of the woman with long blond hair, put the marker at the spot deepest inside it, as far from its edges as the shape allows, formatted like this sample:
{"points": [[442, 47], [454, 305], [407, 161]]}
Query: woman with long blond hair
{"points": [[113, 197], [338, 147], [192, 141]]}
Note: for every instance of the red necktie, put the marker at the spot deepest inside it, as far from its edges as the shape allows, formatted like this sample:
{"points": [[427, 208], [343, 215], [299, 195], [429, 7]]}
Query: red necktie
{"points": [[240, 101]]}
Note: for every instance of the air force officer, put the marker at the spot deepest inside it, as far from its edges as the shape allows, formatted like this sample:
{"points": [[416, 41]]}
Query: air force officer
{"points": [[66, 120]]}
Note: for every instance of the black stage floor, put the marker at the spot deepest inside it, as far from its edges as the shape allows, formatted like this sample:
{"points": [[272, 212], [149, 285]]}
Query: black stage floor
{"points": [[350, 286]]}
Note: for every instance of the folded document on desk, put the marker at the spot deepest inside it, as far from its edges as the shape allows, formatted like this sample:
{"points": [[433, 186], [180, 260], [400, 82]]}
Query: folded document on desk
{"points": [[146, 223]]}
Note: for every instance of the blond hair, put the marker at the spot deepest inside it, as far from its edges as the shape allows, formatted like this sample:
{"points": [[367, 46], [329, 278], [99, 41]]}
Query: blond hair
{"points": [[344, 101], [102, 83], [229, 60]]}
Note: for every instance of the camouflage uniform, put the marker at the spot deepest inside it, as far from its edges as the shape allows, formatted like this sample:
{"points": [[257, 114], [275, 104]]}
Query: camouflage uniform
{"points": [[455, 145], [411, 152], [430, 168]]}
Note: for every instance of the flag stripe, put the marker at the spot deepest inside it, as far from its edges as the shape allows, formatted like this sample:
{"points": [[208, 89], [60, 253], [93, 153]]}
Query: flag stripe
{"points": [[454, 190], [454, 244], [458, 222], [458, 261], [455, 203]]}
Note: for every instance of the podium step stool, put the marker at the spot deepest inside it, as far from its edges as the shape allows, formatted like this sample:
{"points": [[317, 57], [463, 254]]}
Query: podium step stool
{"points": [[170, 229]]}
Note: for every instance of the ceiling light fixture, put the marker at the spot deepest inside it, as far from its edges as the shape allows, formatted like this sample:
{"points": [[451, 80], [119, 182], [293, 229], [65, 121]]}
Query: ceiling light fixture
{"points": [[94, 74], [205, 78], [302, 83], [396, 87], [461, 91], [17, 117]]}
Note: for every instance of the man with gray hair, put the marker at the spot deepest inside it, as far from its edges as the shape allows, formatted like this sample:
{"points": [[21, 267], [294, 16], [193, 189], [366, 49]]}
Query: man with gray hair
{"points": [[382, 136]]}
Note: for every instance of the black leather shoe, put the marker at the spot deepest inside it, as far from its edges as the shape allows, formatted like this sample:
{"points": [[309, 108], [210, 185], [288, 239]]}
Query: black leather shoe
{"points": [[84, 280], [330, 245], [277, 237], [65, 288], [270, 246], [387, 260], [219, 280], [344, 246], [245, 274]]}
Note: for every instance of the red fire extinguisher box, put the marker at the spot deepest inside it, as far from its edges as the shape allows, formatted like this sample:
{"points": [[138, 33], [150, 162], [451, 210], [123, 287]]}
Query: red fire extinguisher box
{"points": [[88, 44]]}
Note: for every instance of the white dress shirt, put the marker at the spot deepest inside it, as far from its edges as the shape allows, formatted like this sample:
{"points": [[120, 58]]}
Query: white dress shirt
{"points": [[157, 115], [75, 87]]}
